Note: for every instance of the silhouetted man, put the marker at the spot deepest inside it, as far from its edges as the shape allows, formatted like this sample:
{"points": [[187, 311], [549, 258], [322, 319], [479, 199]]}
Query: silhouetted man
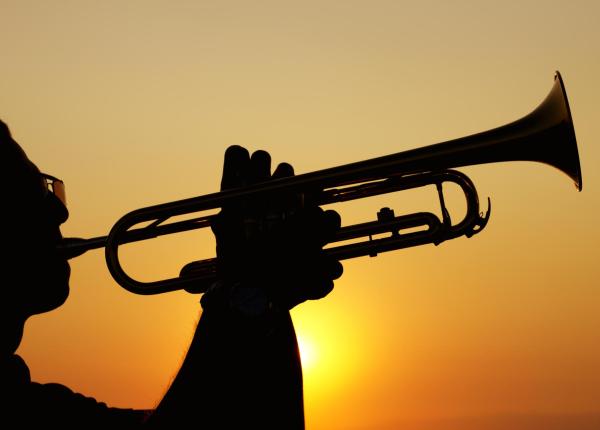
{"points": [[242, 369]]}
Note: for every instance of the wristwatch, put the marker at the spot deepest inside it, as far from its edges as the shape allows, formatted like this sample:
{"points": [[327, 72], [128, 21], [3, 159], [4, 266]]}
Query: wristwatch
{"points": [[234, 296]]}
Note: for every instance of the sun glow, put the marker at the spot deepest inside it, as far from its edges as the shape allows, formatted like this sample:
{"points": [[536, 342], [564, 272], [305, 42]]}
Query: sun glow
{"points": [[331, 348], [308, 353]]}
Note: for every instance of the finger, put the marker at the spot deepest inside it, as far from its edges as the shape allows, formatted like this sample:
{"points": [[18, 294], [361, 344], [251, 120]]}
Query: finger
{"points": [[284, 203], [319, 290], [331, 223], [319, 227], [235, 167], [326, 267], [320, 282], [260, 171], [283, 170], [260, 167], [334, 268]]}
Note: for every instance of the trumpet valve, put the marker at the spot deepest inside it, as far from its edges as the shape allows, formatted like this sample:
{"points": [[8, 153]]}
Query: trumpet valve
{"points": [[386, 215]]}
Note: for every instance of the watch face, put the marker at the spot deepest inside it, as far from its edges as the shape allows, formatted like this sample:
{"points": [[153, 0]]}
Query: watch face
{"points": [[247, 301], [250, 301]]}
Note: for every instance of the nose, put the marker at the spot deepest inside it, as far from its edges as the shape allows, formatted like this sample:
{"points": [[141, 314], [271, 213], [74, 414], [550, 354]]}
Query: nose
{"points": [[57, 211]]}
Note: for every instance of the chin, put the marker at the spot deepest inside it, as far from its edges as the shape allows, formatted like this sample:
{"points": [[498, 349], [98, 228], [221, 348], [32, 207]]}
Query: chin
{"points": [[53, 288]]}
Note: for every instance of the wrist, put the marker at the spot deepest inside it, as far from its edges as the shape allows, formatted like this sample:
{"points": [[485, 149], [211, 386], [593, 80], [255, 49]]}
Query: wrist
{"points": [[239, 298]]}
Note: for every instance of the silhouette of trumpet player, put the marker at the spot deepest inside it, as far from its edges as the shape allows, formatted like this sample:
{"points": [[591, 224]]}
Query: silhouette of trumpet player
{"points": [[242, 369]]}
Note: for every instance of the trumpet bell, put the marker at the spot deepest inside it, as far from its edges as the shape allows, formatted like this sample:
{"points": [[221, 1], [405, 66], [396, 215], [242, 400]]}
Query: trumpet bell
{"points": [[545, 135], [557, 139]]}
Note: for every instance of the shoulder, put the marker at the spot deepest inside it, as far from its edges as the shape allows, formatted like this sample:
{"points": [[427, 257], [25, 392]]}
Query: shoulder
{"points": [[64, 406], [32, 403]]}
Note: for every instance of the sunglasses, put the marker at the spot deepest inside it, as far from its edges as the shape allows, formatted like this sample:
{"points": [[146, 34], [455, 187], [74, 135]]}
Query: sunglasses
{"points": [[56, 187]]}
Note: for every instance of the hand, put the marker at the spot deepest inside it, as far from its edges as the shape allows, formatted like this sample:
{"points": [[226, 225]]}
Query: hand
{"points": [[273, 243]]}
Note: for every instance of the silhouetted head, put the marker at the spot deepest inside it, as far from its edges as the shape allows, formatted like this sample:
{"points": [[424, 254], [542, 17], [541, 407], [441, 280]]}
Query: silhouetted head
{"points": [[34, 277]]}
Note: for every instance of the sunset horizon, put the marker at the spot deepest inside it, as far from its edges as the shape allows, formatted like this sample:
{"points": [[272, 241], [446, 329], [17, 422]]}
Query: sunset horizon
{"points": [[134, 105]]}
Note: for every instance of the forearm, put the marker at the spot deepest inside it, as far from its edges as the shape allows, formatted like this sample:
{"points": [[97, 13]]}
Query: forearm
{"points": [[239, 371]]}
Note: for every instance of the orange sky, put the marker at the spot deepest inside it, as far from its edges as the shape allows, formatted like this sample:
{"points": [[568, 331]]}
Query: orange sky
{"points": [[134, 104]]}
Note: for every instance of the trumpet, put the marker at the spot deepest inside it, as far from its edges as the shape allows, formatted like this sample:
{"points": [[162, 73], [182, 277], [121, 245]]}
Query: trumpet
{"points": [[545, 135]]}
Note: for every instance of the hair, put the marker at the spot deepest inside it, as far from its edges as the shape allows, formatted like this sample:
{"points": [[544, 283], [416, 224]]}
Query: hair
{"points": [[10, 151], [17, 173]]}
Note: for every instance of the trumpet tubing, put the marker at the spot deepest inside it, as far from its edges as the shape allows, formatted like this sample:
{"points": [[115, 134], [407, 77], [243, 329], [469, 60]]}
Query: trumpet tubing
{"points": [[545, 135]]}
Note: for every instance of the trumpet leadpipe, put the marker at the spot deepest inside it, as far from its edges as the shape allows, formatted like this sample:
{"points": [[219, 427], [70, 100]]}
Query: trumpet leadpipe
{"points": [[71, 247]]}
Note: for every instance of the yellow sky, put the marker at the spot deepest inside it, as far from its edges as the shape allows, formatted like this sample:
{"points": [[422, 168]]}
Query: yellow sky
{"points": [[133, 104]]}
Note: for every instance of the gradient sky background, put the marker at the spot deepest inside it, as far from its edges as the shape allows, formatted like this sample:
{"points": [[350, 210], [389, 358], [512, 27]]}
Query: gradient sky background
{"points": [[133, 104]]}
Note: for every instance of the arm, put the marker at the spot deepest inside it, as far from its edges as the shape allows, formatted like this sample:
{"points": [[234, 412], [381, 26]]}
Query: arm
{"points": [[243, 367], [241, 372]]}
